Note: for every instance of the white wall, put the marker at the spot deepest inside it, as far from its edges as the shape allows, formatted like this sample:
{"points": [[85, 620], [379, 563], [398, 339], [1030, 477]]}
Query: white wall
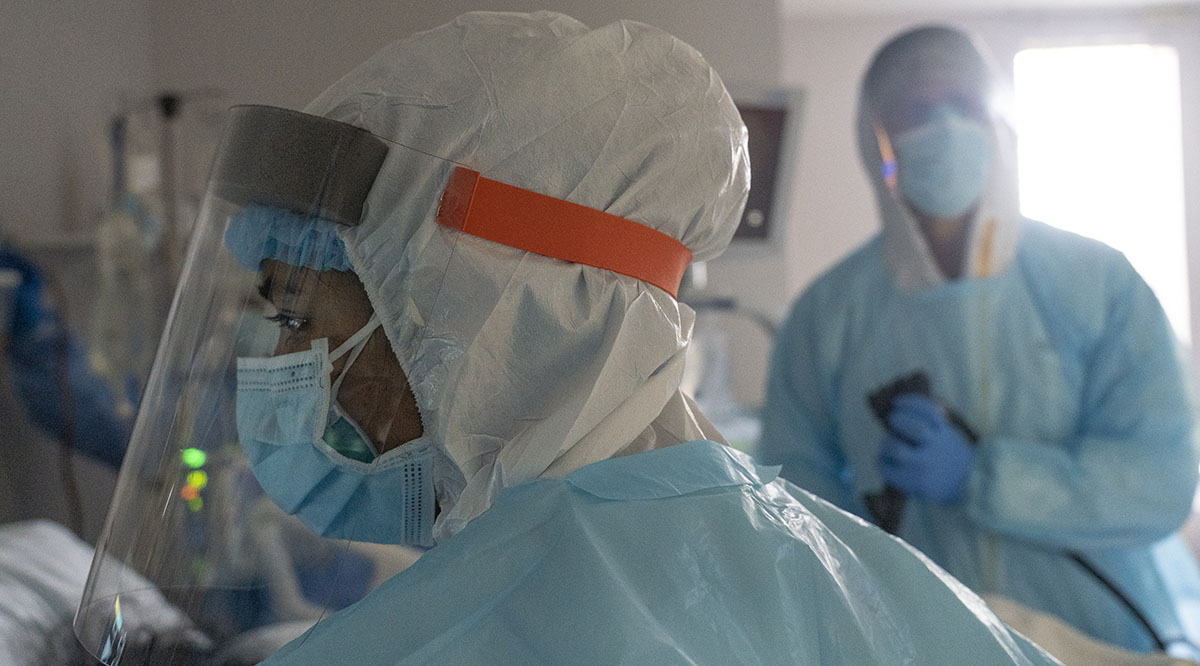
{"points": [[64, 66], [834, 207], [266, 51]]}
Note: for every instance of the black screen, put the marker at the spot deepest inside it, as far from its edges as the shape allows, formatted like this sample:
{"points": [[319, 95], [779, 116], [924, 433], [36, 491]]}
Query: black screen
{"points": [[765, 127]]}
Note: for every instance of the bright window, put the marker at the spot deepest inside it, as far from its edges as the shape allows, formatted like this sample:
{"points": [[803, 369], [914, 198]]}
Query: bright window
{"points": [[1100, 153]]}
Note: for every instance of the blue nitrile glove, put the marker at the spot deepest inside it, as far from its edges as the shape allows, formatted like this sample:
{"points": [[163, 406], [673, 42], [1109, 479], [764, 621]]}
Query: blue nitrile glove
{"points": [[29, 308], [39, 345], [98, 429], [923, 454]]}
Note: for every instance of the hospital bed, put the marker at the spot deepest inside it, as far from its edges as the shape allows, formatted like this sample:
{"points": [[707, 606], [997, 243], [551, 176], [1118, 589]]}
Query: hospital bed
{"points": [[43, 569]]}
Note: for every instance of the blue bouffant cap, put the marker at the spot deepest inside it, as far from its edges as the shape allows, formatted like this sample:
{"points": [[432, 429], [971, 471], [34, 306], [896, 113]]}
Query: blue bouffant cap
{"points": [[266, 232]]}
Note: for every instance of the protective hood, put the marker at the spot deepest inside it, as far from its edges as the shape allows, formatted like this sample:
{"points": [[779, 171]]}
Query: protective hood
{"points": [[992, 240], [521, 365]]}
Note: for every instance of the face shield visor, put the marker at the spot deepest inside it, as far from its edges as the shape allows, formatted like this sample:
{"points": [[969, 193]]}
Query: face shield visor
{"points": [[933, 121], [284, 458]]}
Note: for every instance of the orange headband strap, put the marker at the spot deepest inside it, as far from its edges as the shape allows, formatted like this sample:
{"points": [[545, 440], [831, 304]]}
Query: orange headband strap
{"points": [[555, 228]]}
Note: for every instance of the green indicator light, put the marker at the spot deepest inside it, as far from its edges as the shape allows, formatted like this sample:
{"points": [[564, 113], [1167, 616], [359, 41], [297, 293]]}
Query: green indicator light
{"points": [[195, 504], [194, 458]]}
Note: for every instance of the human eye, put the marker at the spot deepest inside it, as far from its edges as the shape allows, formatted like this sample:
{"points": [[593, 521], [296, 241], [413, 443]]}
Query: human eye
{"points": [[264, 288], [288, 320], [970, 106], [284, 318], [920, 112], [908, 114]]}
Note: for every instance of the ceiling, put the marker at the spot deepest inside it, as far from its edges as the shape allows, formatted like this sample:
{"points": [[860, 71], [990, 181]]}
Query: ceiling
{"points": [[892, 7]]}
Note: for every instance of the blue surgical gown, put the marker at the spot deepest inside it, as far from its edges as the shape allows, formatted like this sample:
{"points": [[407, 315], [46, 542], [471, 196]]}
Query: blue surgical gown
{"points": [[690, 554], [1066, 368]]}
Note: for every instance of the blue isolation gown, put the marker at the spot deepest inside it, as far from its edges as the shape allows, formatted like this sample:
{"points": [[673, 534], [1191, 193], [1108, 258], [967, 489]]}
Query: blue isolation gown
{"points": [[1064, 365], [690, 554]]}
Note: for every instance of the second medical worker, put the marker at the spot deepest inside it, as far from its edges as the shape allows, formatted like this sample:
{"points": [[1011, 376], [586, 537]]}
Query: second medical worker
{"points": [[1003, 395]]}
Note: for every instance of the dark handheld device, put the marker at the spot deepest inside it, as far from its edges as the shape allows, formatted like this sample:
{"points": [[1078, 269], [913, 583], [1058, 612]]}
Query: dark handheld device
{"points": [[881, 399], [887, 506]]}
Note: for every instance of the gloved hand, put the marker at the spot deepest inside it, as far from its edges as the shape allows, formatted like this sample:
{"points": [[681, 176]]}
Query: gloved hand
{"points": [[39, 345], [923, 454], [29, 308]]}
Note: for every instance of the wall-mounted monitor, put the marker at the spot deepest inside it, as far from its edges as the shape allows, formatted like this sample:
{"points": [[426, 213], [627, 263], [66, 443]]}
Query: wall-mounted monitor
{"points": [[772, 118]]}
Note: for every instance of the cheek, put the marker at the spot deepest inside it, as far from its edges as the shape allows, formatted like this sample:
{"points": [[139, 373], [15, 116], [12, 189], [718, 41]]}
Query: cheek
{"points": [[377, 360], [373, 385], [376, 377], [292, 341]]}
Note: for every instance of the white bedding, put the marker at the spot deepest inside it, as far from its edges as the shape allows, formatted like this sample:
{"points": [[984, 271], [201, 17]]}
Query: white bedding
{"points": [[43, 568], [1069, 645]]}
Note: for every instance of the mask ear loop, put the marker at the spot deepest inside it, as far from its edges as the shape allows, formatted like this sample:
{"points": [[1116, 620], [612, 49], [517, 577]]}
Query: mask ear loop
{"points": [[354, 344]]}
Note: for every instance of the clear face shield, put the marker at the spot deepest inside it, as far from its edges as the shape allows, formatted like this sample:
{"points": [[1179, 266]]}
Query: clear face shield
{"points": [[935, 111], [282, 463], [277, 421]]}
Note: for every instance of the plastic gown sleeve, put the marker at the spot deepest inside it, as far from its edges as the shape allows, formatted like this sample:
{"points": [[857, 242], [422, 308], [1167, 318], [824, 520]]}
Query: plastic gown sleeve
{"points": [[38, 344], [681, 555], [885, 553], [798, 430], [98, 431], [1129, 475]]}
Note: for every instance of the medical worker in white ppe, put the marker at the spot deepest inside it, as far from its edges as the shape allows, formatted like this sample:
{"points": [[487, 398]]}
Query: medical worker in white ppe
{"points": [[471, 246], [1003, 395]]}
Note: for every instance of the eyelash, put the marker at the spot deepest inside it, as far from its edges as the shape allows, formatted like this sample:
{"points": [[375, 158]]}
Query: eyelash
{"points": [[288, 321]]}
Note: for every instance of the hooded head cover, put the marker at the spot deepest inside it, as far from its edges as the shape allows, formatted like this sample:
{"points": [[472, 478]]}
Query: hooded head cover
{"points": [[525, 366], [922, 54]]}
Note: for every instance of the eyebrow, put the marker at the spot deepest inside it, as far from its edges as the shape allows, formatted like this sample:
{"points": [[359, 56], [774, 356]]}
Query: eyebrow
{"points": [[264, 288], [267, 287]]}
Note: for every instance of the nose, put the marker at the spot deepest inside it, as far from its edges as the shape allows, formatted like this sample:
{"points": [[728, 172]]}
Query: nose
{"points": [[291, 341]]}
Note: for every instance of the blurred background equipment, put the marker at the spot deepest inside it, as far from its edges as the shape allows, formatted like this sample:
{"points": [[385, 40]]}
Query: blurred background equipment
{"points": [[723, 331], [45, 367], [773, 119], [139, 241], [82, 313]]}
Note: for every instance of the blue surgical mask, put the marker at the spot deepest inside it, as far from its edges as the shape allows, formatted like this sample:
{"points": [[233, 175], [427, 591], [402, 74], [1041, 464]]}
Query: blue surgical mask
{"points": [[316, 463], [943, 166]]}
